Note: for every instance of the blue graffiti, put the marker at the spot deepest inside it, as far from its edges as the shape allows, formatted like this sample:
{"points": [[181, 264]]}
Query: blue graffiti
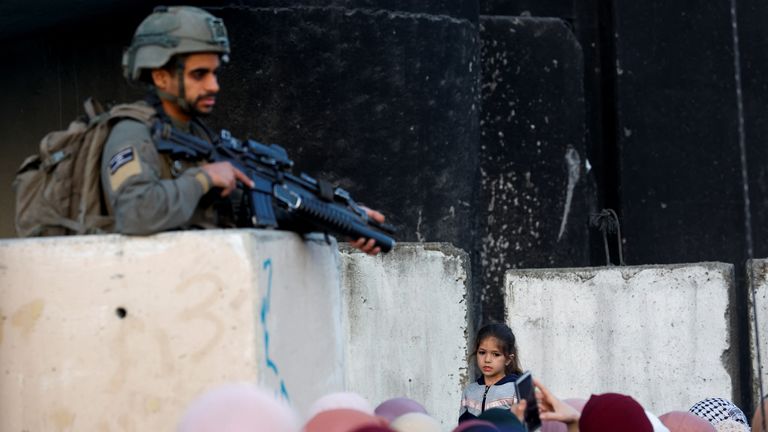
{"points": [[265, 305]]}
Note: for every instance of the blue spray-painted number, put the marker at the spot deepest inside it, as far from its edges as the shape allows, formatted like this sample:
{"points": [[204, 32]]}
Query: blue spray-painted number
{"points": [[265, 306]]}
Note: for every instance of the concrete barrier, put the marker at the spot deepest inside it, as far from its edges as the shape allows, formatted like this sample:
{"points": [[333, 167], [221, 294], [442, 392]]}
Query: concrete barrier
{"points": [[757, 273], [406, 319], [120, 333], [658, 333]]}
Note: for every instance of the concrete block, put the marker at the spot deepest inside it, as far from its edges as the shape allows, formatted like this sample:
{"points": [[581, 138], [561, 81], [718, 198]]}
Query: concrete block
{"points": [[677, 131], [383, 103], [120, 333], [406, 321], [534, 197], [757, 274], [659, 333]]}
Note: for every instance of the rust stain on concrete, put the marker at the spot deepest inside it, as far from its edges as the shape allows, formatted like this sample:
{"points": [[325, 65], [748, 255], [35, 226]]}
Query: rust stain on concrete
{"points": [[152, 405], [204, 310], [27, 316], [63, 419], [125, 353]]}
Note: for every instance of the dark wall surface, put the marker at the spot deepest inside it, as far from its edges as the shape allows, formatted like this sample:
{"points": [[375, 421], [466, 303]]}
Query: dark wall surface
{"points": [[385, 104], [535, 195], [753, 45], [19, 17], [678, 133]]}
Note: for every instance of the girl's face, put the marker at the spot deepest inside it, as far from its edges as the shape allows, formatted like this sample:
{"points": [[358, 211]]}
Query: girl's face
{"points": [[491, 360]]}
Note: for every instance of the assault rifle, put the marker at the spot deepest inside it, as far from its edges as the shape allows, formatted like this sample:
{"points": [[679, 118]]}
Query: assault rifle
{"points": [[278, 199]]}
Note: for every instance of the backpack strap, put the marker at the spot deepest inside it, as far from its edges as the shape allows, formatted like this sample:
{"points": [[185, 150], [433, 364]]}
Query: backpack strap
{"points": [[139, 111], [91, 221], [93, 108]]}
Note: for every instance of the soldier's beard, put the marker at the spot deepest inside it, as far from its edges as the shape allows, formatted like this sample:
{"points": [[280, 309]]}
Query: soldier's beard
{"points": [[194, 111]]}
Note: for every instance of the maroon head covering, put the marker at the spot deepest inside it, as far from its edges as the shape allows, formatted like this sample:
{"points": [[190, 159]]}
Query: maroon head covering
{"points": [[611, 412]]}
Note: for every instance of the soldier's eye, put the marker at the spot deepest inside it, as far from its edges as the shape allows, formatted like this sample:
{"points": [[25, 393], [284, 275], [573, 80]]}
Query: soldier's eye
{"points": [[198, 74]]}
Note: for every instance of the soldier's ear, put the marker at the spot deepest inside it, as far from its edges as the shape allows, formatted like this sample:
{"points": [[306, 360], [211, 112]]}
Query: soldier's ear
{"points": [[162, 79]]}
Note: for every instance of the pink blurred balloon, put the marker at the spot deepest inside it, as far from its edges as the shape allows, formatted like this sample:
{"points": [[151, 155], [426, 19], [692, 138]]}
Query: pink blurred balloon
{"points": [[415, 422], [341, 420], [393, 408], [682, 421], [556, 426], [238, 408], [374, 429], [479, 425], [553, 426], [349, 400], [757, 419], [576, 403]]}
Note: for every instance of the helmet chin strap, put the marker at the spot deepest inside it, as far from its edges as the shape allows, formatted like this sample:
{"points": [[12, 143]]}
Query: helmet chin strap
{"points": [[181, 99]]}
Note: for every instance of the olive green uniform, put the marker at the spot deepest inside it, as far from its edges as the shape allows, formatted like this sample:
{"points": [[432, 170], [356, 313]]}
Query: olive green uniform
{"points": [[146, 190]]}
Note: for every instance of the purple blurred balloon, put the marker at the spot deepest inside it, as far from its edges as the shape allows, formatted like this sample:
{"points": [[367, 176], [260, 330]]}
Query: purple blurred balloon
{"points": [[395, 407], [553, 426]]}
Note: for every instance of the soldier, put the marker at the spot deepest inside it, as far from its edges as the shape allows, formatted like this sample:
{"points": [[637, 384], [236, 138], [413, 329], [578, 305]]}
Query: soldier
{"points": [[176, 52]]}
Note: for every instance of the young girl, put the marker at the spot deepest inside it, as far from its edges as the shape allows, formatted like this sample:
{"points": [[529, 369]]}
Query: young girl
{"points": [[496, 355]]}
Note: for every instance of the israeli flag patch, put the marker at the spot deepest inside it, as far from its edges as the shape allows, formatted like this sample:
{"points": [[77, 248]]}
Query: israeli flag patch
{"points": [[120, 158]]}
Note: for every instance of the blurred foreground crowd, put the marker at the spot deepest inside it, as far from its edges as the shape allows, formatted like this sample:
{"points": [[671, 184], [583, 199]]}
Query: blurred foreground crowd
{"points": [[248, 408]]}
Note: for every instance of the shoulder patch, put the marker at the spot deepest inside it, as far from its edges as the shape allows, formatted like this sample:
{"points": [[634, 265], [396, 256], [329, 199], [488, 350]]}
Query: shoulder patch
{"points": [[122, 166], [120, 158]]}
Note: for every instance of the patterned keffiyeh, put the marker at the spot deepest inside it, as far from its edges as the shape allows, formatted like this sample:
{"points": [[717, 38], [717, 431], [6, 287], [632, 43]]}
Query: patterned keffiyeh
{"points": [[716, 410]]}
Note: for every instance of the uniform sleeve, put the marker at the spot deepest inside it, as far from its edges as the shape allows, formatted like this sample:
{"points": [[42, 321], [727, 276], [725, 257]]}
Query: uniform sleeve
{"points": [[143, 202]]}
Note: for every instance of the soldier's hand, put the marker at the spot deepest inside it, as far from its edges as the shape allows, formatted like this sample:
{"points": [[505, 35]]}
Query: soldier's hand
{"points": [[369, 245], [225, 176]]}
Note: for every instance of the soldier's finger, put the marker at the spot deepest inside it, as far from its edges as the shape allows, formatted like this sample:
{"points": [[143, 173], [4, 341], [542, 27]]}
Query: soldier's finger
{"points": [[231, 184], [242, 177], [368, 247], [374, 214]]}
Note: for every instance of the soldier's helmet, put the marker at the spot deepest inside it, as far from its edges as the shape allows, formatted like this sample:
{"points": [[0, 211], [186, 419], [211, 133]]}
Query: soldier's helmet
{"points": [[173, 30]]}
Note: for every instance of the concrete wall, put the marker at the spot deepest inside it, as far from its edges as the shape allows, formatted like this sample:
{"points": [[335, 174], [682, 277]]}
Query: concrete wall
{"points": [[535, 195], [659, 333], [757, 272], [407, 318], [138, 326], [201, 308]]}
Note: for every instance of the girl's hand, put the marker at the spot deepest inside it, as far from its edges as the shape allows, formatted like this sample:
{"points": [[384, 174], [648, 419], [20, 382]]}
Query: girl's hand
{"points": [[518, 410]]}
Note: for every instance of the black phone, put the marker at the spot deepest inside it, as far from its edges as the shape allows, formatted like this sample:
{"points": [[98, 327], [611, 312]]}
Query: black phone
{"points": [[525, 390]]}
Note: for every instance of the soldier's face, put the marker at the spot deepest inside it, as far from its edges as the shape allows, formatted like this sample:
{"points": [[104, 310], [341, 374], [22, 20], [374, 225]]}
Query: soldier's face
{"points": [[201, 84]]}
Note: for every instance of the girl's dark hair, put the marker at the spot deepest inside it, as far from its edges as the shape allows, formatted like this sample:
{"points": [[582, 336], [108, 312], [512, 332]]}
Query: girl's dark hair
{"points": [[507, 344]]}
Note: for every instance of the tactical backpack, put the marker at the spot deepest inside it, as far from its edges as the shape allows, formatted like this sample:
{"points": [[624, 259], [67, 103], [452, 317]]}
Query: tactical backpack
{"points": [[58, 191]]}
